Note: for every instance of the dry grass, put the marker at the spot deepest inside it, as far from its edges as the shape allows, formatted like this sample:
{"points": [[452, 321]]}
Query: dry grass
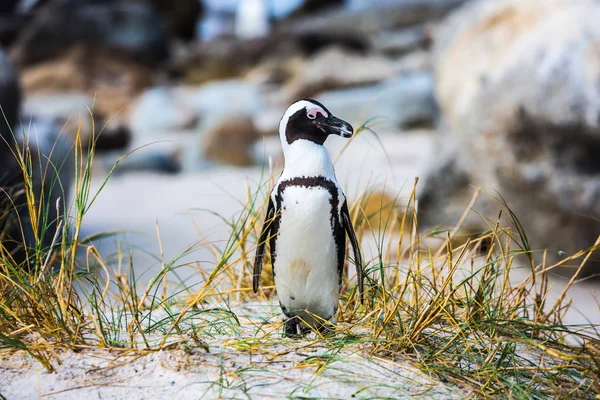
{"points": [[454, 313]]}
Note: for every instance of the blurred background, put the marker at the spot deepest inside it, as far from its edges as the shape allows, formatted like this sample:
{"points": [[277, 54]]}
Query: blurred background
{"points": [[502, 94]]}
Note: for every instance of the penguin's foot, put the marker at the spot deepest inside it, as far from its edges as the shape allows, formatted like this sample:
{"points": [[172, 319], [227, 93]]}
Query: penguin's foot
{"points": [[290, 327], [304, 329]]}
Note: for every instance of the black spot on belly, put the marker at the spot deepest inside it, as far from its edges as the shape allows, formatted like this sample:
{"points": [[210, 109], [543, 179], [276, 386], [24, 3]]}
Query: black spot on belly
{"points": [[292, 297]]}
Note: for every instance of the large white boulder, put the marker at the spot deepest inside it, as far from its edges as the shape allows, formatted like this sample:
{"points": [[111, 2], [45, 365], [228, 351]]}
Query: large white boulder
{"points": [[518, 83]]}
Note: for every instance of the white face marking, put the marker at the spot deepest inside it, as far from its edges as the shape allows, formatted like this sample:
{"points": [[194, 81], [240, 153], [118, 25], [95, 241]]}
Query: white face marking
{"points": [[311, 109]]}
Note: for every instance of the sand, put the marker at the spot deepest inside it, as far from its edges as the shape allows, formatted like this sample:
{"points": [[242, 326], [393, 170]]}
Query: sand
{"points": [[225, 368]]}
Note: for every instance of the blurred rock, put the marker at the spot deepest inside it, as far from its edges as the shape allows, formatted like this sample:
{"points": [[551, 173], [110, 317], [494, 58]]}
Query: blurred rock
{"points": [[112, 83], [267, 121], [62, 74], [130, 30], [369, 18], [398, 42], [61, 107], [160, 110], [8, 6], [10, 25], [10, 103], [165, 158], [218, 101], [73, 114], [519, 85], [267, 151], [230, 57], [311, 7], [179, 17], [10, 98], [114, 134], [416, 61], [446, 190], [270, 75], [231, 141], [403, 102], [11, 21], [335, 68]]}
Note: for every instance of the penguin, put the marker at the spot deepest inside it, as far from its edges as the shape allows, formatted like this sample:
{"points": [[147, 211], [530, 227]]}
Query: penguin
{"points": [[307, 221]]}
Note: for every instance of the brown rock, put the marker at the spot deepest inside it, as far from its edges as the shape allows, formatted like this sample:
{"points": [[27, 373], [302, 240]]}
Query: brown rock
{"points": [[335, 68], [231, 141], [229, 57], [62, 74], [111, 82]]}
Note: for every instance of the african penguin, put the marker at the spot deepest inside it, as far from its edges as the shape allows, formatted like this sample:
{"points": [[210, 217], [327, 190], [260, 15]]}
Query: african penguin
{"points": [[307, 221]]}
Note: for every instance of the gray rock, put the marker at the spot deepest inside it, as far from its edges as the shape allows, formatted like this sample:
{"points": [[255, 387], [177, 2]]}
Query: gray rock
{"points": [[130, 29], [415, 61], [76, 114], [368, 18], [519, 85], [403, 102], [160, 110], [398, 42], [165, 159], [230, 57], [335, 68], [216, 101]]}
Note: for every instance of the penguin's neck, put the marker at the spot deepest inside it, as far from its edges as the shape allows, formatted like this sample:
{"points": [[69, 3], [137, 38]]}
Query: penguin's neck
{"points": [[306, 158]]}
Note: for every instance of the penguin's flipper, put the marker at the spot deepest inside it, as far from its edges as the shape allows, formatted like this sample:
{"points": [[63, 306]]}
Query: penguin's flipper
{"points": [[357, 256], [260, 249]]}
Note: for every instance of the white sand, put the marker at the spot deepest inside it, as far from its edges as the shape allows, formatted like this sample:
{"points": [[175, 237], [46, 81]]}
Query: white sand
{"points": [[275, 369]]}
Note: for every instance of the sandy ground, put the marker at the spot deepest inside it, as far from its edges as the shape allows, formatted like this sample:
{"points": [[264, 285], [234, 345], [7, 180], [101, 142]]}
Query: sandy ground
{"points": [[225, 368]]}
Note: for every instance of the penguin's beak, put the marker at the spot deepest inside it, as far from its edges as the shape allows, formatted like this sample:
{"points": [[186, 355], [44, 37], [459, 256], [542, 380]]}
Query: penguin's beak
{"points": [[335, 126]]}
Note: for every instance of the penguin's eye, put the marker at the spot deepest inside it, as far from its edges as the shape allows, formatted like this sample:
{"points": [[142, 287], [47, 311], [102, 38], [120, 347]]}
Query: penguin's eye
{"points": [[310, 115]]}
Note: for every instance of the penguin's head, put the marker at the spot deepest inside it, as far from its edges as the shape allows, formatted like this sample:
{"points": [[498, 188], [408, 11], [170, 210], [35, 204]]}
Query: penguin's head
{"points": [[308, 119]]}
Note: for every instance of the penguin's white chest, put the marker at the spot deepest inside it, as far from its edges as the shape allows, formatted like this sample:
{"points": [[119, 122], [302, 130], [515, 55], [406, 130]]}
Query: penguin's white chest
{"points": [[306, 274]]}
